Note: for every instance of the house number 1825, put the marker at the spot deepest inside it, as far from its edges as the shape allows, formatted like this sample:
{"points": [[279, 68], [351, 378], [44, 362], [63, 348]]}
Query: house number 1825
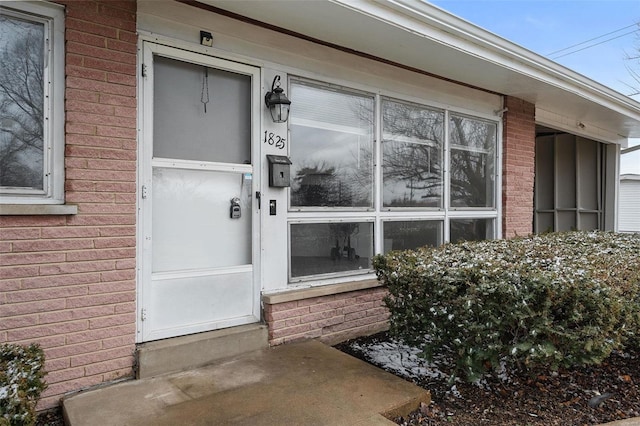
{"points": [[273, 139]]}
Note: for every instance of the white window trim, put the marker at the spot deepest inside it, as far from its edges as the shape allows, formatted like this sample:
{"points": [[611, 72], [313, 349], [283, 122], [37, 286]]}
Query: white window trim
{"points": [[52, 15]]}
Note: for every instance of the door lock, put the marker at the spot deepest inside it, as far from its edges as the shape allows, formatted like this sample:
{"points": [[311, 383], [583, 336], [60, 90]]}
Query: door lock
{"points": [[235, 210]]}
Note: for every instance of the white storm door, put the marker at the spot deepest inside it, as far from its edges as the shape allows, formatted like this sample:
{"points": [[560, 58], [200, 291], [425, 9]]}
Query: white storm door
{"points": [[198, 218]]}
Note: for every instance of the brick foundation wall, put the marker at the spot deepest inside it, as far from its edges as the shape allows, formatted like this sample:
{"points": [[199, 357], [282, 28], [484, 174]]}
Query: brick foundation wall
{"points": [[331, 319], [68, 282], [518, 167]]}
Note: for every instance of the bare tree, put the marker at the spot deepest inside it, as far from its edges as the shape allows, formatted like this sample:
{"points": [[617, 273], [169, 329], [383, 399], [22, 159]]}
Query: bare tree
{"points": [[416, 165], [472, 154], [21, 103], [634, 67]]}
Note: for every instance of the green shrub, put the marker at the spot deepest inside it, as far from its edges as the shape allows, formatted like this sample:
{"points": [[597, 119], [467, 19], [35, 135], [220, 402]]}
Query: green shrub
{"points": [[544, 301], [21, 383]]}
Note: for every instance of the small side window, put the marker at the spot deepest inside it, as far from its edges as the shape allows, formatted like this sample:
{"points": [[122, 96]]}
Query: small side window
{"points": [[31, 104]]}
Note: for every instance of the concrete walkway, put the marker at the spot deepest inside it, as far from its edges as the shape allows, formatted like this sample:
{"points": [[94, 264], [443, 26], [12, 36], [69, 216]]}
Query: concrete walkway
{"points": [[305, 383]]}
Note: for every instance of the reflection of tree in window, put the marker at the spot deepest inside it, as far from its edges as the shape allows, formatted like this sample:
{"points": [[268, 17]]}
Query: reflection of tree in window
{"points": [[412, 155], [472, 162], [319, 186], [329, 186], [21, 103]]}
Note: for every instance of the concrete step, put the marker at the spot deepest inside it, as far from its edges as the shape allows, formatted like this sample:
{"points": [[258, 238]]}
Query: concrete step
{"points": [[197, 350], [305, 383]]}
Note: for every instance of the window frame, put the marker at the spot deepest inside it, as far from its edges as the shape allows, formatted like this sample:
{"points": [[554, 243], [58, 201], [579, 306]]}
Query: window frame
{"points": [[52, 16], [381, 214]]}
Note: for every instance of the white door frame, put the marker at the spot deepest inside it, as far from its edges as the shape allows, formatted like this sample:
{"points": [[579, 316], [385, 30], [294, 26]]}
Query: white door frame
{"points": [[145, 153]]}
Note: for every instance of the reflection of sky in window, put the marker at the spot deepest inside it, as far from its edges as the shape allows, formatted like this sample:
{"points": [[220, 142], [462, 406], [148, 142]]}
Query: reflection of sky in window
{"points": [[11, 28], [472, 133], [333, 130], [312, 146]]}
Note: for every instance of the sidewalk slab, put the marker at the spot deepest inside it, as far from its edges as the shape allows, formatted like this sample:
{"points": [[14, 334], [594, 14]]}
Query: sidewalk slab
{"points": [[307, 383], [628, 422]]}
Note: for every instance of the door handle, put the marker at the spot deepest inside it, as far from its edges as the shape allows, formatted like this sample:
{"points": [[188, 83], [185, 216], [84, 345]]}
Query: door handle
{"points": [[235, 211]]}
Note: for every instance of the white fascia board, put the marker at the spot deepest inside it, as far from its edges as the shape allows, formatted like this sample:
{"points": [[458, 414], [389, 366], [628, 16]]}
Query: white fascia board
{"points": [[428, 21], [436, 24], [422, 36], [586, 129]]}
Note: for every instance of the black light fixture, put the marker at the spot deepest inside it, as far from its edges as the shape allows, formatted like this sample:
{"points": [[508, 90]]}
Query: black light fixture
{"points": [[277, 102]]}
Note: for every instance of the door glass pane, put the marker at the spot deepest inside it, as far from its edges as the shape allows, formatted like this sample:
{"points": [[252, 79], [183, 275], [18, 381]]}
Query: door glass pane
{"points": [[192, 227], [201, 113], [412, 234], [473, 148], [411, 155], [21, 103], [331, 148], [324, 248], [471, 230]]}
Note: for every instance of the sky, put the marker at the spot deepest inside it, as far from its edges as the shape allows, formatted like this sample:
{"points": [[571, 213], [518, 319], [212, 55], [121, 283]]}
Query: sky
{"points": [[547, 26]]}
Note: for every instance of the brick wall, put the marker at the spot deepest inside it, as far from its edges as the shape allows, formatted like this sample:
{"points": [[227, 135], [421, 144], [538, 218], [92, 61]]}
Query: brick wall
{"points": [[331, 319], [68, 282], [518, 167]]}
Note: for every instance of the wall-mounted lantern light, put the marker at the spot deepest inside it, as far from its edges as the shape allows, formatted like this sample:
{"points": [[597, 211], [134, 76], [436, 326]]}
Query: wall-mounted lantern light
{"points": [[277, 102]]}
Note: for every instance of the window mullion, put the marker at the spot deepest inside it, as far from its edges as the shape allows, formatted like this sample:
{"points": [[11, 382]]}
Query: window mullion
{"points": [[378, 237], [446, 177]]}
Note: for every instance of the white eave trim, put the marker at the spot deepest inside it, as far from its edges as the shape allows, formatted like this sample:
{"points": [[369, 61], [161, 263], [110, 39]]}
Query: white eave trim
{"points": [[466, 37], [392, 30]]}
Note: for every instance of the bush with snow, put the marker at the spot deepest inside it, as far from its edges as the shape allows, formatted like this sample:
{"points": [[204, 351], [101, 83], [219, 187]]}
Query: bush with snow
{"points": [[551, 300], [21, 383]]}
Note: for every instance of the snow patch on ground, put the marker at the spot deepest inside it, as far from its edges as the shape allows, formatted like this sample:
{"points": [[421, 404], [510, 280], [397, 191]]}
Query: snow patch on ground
{"points": [[400, 359]]}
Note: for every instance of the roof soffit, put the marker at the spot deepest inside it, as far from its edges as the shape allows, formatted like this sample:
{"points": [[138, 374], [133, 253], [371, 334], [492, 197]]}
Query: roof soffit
{"points": [[423, 36]]}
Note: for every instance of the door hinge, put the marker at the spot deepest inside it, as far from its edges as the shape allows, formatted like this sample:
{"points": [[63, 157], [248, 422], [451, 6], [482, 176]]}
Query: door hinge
{"points": [[143, 314], [144, 191], [144, 70]]}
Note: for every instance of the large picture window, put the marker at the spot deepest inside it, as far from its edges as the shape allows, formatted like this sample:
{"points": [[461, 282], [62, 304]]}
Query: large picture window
{"points": [[372, 174], [31, 103]]}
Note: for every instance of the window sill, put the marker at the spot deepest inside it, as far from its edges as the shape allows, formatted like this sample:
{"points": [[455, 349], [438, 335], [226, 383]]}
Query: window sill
{"points": [[325, 290], [37, 209]]}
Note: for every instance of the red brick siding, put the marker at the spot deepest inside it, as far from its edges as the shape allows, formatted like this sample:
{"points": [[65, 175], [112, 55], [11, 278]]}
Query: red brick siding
{"points": [[518, 167], [331, 319], [68, 282]]}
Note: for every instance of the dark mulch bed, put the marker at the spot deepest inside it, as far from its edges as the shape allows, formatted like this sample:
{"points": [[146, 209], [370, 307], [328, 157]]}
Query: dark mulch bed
{"points": [[50, 418], [565, 397]]}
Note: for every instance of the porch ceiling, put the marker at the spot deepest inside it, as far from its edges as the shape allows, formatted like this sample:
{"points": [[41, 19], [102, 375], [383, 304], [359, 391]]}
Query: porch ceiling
{"points": [[423, 36]]}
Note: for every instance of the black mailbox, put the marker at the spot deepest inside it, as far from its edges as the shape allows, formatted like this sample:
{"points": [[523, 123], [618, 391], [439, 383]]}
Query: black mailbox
{"points": [[279, 171]]}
